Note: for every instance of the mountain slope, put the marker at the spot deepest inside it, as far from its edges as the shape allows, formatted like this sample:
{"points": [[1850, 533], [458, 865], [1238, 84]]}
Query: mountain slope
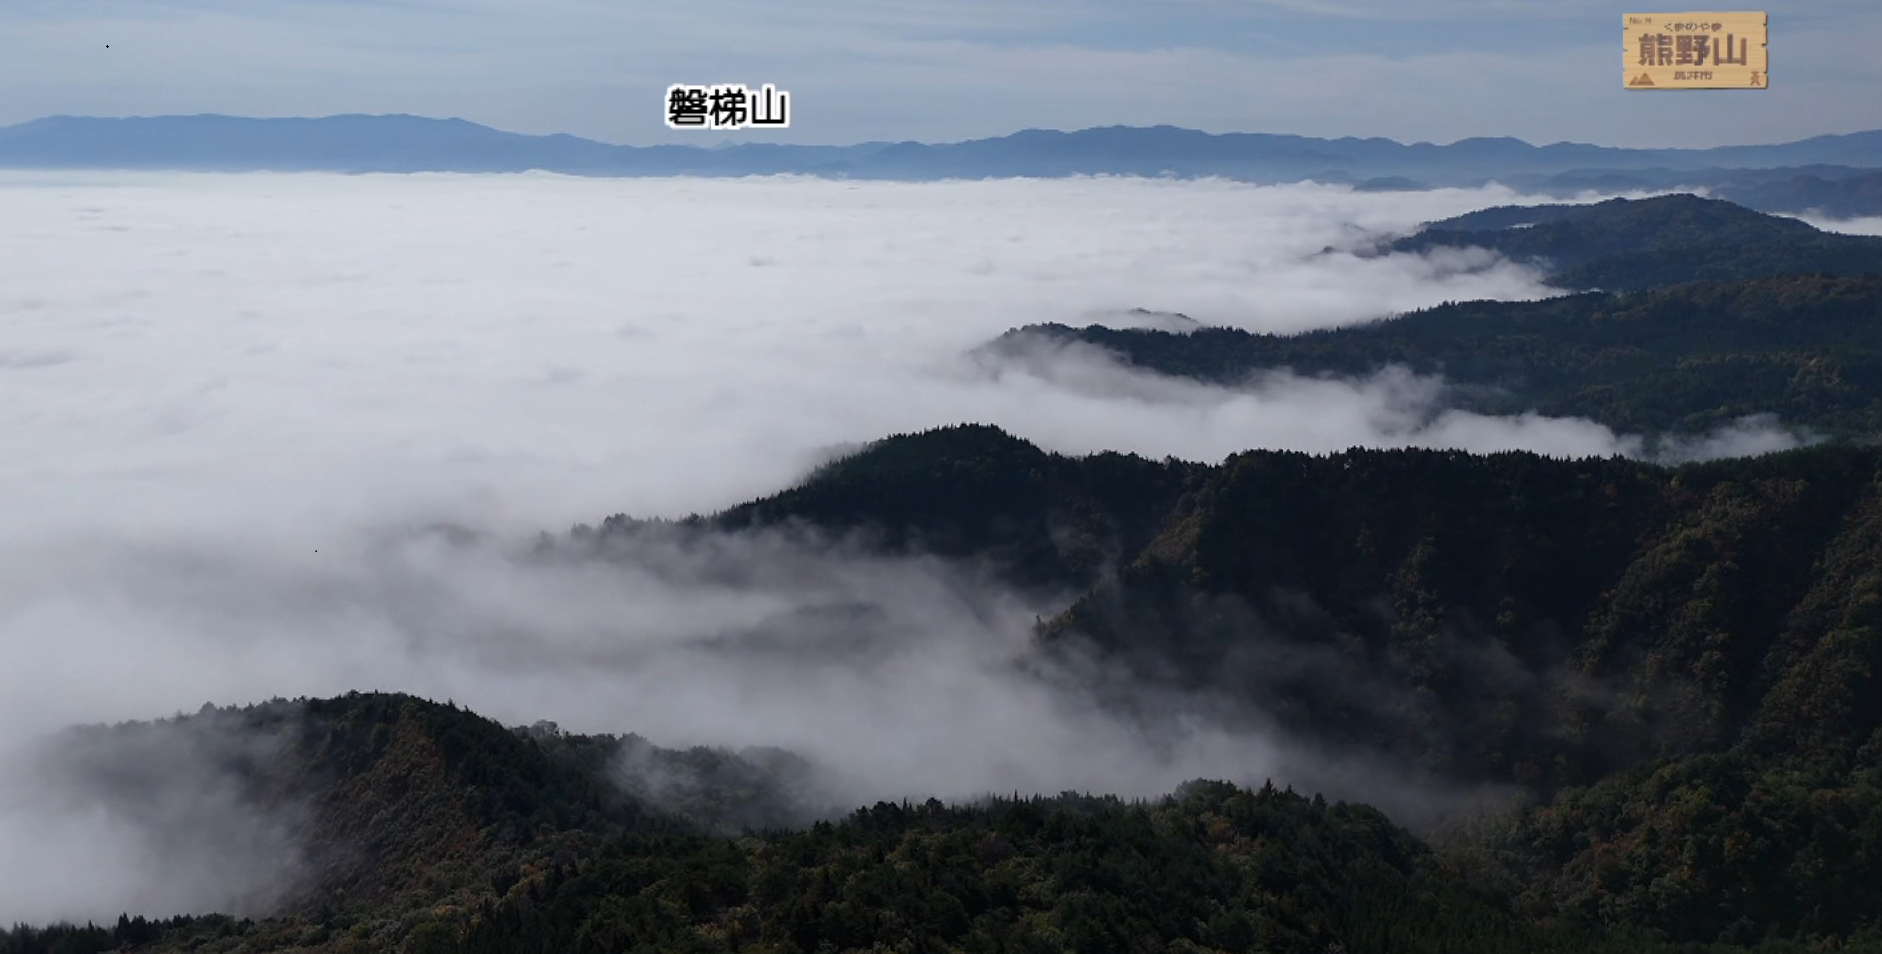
{"points": [[1211, 868], [976, 491], [1681, 360], [1679, 664], [1677, 661], [1632, 244], [382, 794], [374, 801], [1672, 660], [1509, 617]]}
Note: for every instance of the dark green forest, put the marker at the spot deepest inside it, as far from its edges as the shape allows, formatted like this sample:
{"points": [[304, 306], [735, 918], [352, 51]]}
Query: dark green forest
{"points": [[1675, 667], [1706, 313], [1675, 361], [1649, 651], [1624, 245]]}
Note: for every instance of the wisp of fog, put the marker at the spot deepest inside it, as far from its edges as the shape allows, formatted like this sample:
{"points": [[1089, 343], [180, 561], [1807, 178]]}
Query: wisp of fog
{"points": [[230, 399], [1860, 225]]}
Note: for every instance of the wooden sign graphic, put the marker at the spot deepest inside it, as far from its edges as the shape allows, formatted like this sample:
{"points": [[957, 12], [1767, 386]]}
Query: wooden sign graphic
{"points": [[1694, 51]]}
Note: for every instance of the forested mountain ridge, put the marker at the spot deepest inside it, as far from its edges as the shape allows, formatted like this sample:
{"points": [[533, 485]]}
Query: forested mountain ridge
{"points": [[1701, 588], [387, 792], [1678, 663], [1679, 360], [977, 492], [1211, 868], [1703, 636], [1546, 622], [1639, 224], [390, 804], [1633, 244]]}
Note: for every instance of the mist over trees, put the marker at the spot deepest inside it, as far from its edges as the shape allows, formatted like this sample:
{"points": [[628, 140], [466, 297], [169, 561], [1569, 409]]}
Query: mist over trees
{"points": [[1670, 665], [1507, 701], [1677, 362]]}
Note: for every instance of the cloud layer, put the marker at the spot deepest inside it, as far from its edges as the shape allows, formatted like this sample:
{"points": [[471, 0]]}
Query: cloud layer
{"points": [[231, 399], [583, 346]]}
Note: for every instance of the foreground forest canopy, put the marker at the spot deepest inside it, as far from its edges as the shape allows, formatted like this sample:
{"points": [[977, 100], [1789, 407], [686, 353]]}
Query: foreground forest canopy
{"points": [[513, 840], [1674, 666], [1660, 654]]}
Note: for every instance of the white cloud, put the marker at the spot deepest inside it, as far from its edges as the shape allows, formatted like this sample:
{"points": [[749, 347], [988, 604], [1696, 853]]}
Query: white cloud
{"points": [[590, 345], [1861, 225], [230, 396]]}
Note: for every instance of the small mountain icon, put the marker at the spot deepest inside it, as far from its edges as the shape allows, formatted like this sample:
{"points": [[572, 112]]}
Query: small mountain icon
{"points": [[1641, 80]]}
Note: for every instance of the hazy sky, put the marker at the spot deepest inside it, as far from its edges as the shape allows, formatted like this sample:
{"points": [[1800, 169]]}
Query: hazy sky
{"points": [[933, 70]]}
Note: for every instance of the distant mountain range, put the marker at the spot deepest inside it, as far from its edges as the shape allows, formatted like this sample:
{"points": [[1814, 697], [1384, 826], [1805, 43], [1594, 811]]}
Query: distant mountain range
{"points": [[1823, 169]]}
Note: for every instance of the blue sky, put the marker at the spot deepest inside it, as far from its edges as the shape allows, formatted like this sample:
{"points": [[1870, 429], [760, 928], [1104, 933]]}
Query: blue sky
{"points": [[860, 70]]}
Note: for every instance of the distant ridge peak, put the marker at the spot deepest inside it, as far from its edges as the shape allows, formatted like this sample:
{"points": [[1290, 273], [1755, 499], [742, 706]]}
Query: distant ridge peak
{"points": [[402, 142]]}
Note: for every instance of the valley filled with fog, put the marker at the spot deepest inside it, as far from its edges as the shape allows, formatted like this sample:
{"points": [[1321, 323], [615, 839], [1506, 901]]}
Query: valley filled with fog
{"points": [[235, 405]]}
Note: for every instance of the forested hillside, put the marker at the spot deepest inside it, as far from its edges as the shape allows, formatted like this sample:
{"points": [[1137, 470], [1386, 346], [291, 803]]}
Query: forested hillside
{"points": [[1676, 666], [1632, 244], [1433, 590], [1698, 644], [1212, 868], [394, 805], [1680, 360]]}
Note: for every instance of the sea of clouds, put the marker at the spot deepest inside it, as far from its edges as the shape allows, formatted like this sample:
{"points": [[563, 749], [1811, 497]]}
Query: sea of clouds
{"points": [[230, 403]]}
